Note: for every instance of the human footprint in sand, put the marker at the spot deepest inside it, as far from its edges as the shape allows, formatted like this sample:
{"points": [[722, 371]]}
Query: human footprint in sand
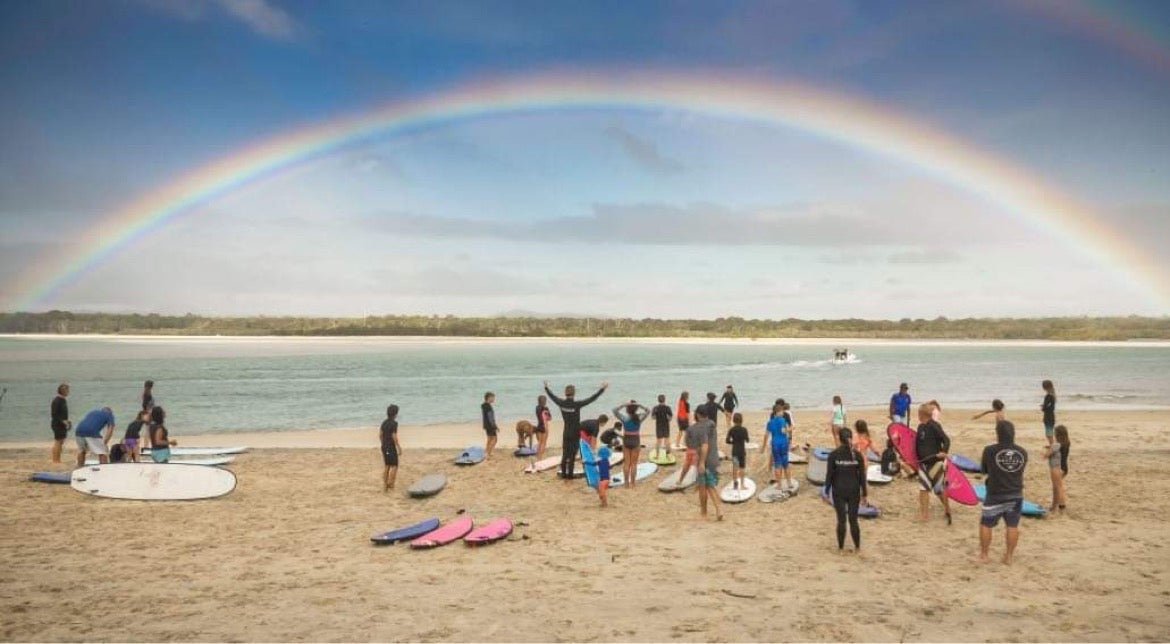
{"points": [[1003, 462]]}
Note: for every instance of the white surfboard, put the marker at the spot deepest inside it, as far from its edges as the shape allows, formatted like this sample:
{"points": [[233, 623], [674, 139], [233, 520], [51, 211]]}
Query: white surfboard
{"points": [[543, 464], [733, 494], [209, 461], [673, 484], [202, 451], [873, 474], [645, 470], [153, 481]]}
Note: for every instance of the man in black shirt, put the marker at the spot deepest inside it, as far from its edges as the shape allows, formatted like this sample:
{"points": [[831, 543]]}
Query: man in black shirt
{"points": [[662, 414], [489, 423], [711, 409], [571, 415], [59, 421], [1004, 464]]}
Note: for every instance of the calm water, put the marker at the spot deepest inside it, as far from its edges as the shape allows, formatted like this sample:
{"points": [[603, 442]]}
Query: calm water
{"points": [[226, 385]]}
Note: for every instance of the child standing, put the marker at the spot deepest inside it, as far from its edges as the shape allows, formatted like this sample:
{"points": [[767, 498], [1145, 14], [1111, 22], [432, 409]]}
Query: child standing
{"points": [[543, 418], [777, 431], [603, 455], [662, 413], [838, 421], [684, 417], [489, 423], [737, 437], [1057, 455], [391, 448], [134, 435]]}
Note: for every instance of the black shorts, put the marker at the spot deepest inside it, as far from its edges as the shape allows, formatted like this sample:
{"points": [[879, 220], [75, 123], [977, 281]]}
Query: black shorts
{"points": [[683, 424], [662, 431], [390, 457], [491, 432], [740, 460], [539, 430], [60, 431], [631, 441]]}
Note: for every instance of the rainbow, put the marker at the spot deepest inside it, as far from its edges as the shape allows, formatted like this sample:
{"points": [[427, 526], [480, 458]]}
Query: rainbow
{"points": [[845, 119], [1112, 23]]}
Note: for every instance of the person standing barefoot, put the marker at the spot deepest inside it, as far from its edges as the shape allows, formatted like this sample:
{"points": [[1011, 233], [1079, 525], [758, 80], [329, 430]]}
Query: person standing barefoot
{"points": [[1049, 409], [59, 414], [391, 448], [704, 439], [1003, 462], [489, 423]]}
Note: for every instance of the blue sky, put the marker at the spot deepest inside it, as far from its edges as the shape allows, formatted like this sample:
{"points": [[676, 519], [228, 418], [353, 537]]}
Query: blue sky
{"points": [[602, 212]]}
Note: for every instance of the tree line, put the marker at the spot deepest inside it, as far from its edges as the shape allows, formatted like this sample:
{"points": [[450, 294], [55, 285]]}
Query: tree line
{"points": [[1063, 328]]}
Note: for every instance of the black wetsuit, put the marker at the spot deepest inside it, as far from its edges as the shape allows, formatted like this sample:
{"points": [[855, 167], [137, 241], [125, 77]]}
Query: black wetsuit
{"points": [[571, 415], [59, 411], [662, 414], [489, 419], [729, 401], [737, 437], [890, 465], [711, 409], [845, 477], [929, 442]]}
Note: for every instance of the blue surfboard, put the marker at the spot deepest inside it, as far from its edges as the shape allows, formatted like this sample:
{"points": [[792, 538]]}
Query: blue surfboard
{"points": [[52, 477], [966, 464], [822, 453], [407, 533], [470, 456], [589, 460], [524, 451], [1029, 510]]}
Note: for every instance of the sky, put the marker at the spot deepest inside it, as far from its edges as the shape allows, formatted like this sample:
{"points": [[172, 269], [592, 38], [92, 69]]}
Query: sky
{"points": [[659, 211]]}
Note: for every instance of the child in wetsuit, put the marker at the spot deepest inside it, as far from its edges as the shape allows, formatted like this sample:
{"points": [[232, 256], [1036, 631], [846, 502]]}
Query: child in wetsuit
{"points": [[603, 455], [737, 437]]}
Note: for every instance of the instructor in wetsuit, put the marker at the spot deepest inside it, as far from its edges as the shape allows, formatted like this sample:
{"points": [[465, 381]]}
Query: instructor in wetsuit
{"points": [[571, 414]]}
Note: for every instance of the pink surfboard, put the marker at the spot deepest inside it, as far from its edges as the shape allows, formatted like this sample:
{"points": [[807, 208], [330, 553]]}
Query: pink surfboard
{"points": [[492, 531], [453, 531], [958, 487], [903, 439]]}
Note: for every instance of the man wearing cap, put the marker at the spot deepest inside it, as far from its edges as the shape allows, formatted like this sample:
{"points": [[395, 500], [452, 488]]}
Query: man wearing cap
{"points": [[900, 405]]}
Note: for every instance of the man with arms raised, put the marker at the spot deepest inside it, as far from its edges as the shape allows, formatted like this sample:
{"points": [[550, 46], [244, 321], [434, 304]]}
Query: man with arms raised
{"points": [[571, 414]]}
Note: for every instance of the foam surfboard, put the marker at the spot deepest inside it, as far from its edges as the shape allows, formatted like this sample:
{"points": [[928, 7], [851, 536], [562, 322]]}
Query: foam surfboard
{"points": [[211, 461], [453, 531], [966, 464], [153, 481], [1029, 510], [543, 465], [903, 439], [661, 457], [429, 485], [958, 487], [775, 494], [616, 458], [873, 474], [732, 494], [490, 532], [871, 455], [52, 477], [589, 462], [471, 456], [644, 471], [202, 451], [818, 466], [521, 452], [672, 483], [863, 511], [406, 534]]}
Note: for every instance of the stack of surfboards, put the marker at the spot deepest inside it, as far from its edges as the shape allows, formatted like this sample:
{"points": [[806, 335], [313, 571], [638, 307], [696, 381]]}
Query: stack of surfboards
{"points": [[430, 534]]}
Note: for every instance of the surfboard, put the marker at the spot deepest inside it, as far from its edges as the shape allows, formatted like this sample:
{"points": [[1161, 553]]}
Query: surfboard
{"points": [[731, 494], [543, 465], [429, 485], [211, 461], [903, 439], [471, 456], [874, 475], [644, 471], [1030, 509], [774, 494], [871, 455], [751, 446], [589, 462], [661, 457], [958, 487], [521, 452], [453, 531], [863, 511], [51, 477], [406, 534], [818, 466], [966, 464], [672, 483], [490, 532], [202, 451], [616, 458], [153, 481]]}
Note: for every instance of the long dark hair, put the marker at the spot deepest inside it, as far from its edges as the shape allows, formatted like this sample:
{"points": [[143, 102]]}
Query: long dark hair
{"points": [[158, 415], [1061, 434]]}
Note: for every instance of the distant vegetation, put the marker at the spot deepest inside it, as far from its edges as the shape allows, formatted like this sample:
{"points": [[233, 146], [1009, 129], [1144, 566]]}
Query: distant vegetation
{"points": [[1118, 328]]}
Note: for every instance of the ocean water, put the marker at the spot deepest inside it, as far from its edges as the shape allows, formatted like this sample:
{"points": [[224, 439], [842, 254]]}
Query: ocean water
{"points": [[236, 384]]}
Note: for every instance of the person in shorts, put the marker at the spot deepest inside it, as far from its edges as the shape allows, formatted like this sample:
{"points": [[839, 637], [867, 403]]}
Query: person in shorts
{"points": [[603, 475], [133, 435], [662, 414], [1003, 462], [160, 437], [683, 412], [932, 445], [778, 433], [59, 421], [1048, 408], [93, 434], [738, 438], [391, 448], [704, 440], [543, 418], [489, 423], [631, 415], [900, 405]]}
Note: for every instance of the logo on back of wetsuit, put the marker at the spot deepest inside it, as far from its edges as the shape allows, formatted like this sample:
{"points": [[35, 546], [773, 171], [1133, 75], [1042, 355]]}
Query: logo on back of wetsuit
{"points": [[1009, 460]]}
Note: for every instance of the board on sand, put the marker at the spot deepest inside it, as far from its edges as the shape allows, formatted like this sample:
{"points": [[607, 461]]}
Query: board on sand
{"points": [[873, 474], [543, 465], [871, 455], [492, 531], [1029, 510], [202, 451], [672, 483], [775, 494], [958, 487], [521, 452], [660, 456], [429, 485], [471, 456], [616, 458], [210, 461], [818, 466], [153, 481], [966, 464], [644, 471], [903, 438], [51, 477], [406, 534], [453, 531], [863, 511], [797, 456], [589, 462], [733, 494]]}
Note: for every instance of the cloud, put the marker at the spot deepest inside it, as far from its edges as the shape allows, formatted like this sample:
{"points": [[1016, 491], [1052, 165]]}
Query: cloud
{"points": [[644, 153], [440, 281], [261, 16], [926, 257]]}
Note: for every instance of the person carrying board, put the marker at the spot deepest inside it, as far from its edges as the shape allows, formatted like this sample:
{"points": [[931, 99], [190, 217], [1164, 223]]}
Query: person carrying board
{"points": [[932, 445]]}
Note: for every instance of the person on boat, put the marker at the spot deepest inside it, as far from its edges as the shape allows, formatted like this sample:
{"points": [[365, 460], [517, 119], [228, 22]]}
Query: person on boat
{"points": [[631, 416], [845, 481], [59, 421], [391, 448], [932, 445], [1003, 462], [543, 418], [571, 417], [728, 403]]}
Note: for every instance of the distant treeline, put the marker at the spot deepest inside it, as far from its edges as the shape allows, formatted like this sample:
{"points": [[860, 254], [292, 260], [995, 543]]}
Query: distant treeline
{"points": [[1083, 328]]}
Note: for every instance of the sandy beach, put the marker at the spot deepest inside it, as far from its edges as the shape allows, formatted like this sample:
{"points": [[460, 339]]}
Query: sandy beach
{"points": [[287, 556]]}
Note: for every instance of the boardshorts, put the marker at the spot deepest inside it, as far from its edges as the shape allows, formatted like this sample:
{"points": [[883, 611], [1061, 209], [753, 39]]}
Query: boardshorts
{"points": [[1008, 510]]}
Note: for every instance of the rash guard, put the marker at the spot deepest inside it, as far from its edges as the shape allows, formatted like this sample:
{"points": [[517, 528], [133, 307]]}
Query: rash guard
{"points": [[844, 475], [571, 409]]}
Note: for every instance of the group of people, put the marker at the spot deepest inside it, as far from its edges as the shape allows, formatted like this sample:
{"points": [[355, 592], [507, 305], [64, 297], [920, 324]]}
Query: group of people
{"points": [[95, 431]]}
